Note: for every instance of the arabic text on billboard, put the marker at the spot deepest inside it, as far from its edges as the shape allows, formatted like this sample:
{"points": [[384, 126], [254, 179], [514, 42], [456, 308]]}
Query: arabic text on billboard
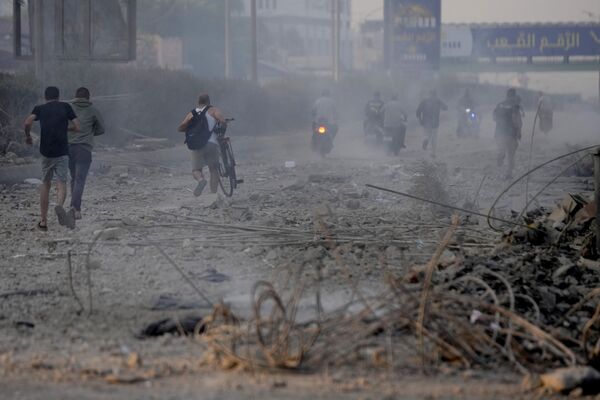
{"points": [[536, 41]]}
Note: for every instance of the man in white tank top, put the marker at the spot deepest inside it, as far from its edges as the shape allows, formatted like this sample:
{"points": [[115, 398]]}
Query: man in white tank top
{"points": [[207, 156]]}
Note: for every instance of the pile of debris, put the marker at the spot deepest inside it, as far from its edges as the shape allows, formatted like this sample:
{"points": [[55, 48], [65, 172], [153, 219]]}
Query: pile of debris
{"points": [[12, 149], [534, 304]]}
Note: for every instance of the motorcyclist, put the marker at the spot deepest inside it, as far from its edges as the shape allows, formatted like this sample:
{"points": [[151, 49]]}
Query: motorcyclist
{"points": [[324, 112], [394, 123], [466, 102], [428, 114], [546, 113], [374, 116], [508, 116]]}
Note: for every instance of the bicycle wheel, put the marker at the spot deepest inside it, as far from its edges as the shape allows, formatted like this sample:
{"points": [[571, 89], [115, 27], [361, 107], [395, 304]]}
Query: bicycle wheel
{"points": [[227, 180]]}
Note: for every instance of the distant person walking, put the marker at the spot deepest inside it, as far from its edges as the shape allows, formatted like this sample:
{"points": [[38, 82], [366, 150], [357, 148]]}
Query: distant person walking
{"points": [[81, 144], [394, 124], [428, 114], [54, 117], [508, 116], [198, 126]]}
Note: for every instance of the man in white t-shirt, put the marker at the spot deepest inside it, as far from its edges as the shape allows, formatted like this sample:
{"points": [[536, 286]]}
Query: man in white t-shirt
{"points": [[208, 155]]}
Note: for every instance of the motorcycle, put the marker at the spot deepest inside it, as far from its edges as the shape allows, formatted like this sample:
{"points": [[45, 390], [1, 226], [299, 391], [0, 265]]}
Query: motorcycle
{"points": [[322, 138], [469, 123], [373, 128]]}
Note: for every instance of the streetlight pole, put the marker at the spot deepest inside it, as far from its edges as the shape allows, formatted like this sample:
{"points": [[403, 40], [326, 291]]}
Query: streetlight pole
{"points": [[227, 39], [38, 40], [597, 18], [335, 11], [254, 67]]}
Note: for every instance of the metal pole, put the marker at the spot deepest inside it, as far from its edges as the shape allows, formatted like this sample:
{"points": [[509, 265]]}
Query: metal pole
{"points": [[335, 39], [596, 157], [227, 40], [38, 40], [254, 67]]}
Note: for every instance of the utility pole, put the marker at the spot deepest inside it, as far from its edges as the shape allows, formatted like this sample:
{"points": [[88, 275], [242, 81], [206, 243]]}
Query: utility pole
{"points": [[38, 40], [227, 39], [335, 39], [596, 156], [254, 70]]}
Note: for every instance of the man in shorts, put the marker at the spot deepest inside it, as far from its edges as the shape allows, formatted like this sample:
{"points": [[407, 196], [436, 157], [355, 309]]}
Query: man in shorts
{"points": [[54, 117], [208, 155]]}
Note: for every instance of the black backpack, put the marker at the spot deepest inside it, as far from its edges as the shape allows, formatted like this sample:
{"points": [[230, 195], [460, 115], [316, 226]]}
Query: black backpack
{"points": [[197, 133]]}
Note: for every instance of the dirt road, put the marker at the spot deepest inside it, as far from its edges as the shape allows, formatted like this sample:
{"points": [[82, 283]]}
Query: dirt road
{"points": [[50, 350]]}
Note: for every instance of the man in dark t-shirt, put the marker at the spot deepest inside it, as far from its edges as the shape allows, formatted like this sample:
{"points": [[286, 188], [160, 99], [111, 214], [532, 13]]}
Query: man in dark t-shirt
{"points": [[428, 114], [54, 117]]}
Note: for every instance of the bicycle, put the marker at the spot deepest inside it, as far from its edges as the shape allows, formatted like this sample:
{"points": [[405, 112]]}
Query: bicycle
{"points": [[227, 176]]}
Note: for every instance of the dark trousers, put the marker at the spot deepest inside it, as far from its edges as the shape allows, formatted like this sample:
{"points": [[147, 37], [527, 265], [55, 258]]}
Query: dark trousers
{"points": [[397, 134], [80, 159]]}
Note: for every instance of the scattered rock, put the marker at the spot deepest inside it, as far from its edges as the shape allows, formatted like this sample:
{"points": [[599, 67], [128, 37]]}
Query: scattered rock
{"points": [[33, 181], [321, 178], [296, 186], [353, 204], [110, 233]]}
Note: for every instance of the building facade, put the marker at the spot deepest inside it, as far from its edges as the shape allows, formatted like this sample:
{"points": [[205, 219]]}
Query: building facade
{"points": [[297, 35]]}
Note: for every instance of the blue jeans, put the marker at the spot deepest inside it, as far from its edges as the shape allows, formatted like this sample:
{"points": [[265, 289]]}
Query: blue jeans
{"points": [[80, 159]]}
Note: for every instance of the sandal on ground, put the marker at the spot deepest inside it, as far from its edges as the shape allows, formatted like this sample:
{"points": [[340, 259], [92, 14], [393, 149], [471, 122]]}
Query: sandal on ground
{"points": [[42, 228], [200, 188]]}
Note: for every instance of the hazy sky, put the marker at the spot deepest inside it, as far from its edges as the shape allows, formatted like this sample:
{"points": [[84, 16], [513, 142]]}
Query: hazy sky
{"points": [[497, 10]]}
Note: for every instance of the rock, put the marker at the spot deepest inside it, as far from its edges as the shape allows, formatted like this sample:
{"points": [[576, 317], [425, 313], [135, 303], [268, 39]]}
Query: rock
{"points": [[323, 211], [119, 169], [254, 197], [547, 298], [110, 233], [353, 204], [20, 161], [313, 254], [272, 255], [321, 178], [33, 181], [564, 380], [10, 156], [216, 202], [296, 186], [186, 243], [17, 148]]}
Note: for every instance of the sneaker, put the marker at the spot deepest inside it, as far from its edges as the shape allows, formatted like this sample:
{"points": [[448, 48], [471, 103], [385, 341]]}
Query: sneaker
{"points": [[76, 214], [61, 214], [200, 188], [70, 222]]}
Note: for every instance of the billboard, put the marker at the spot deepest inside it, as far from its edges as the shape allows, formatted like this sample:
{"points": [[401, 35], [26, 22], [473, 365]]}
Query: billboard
{"points": [[534, 40], [412, 33]]}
